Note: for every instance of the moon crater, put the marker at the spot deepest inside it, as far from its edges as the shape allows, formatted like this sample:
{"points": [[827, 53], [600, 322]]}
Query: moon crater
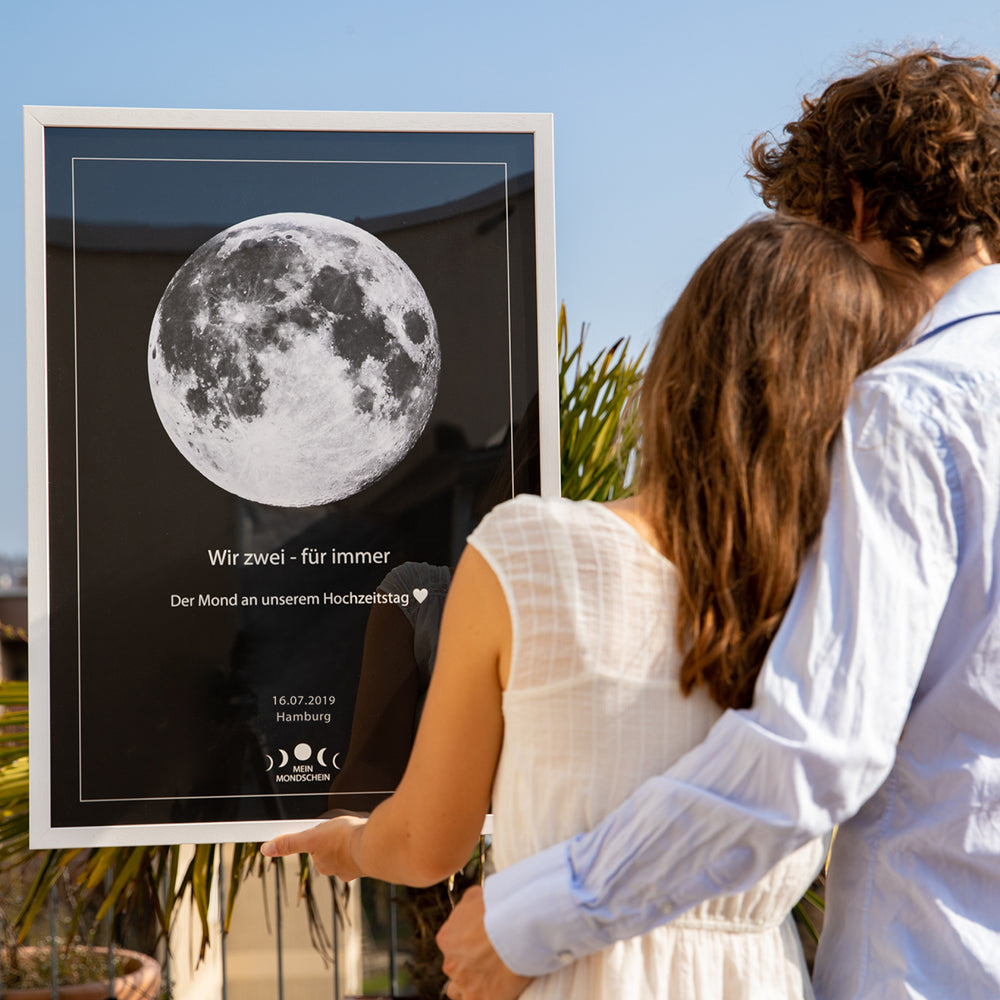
{"points": [[293, 359]]}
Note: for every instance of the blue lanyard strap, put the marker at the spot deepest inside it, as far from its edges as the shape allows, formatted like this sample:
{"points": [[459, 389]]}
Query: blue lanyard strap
{"points": [[954, 322]]}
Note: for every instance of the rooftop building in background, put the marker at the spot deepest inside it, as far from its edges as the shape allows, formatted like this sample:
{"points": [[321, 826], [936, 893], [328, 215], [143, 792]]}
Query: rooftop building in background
{"points": [[13, 573], [13, 618]]}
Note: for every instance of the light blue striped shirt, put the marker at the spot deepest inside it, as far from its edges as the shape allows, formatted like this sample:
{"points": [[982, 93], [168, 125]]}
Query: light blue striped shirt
{"points": [[878, 708]]}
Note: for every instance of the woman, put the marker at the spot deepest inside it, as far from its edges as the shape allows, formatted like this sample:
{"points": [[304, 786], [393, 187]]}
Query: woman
{"points": [[585, 647]]}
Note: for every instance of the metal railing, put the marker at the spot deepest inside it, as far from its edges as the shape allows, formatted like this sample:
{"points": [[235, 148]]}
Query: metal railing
{"points": [[353, 933]]}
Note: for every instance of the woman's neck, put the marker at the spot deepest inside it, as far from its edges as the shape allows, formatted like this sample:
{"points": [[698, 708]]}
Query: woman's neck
{"points": [[630, 510]]}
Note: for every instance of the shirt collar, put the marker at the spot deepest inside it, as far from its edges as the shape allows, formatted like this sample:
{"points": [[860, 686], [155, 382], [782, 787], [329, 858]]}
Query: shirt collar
{"points": [[977, 292]]}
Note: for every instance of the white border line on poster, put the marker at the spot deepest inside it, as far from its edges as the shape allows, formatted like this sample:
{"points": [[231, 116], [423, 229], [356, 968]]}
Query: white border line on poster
{"points": [[79, 612]]}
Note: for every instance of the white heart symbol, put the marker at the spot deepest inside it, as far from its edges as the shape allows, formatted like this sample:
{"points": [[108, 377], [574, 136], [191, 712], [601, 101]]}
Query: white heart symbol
{"points": [[420, 593]]}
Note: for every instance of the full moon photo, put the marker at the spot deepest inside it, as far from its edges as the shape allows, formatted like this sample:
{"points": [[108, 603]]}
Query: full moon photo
{"points": [[294, 359]]}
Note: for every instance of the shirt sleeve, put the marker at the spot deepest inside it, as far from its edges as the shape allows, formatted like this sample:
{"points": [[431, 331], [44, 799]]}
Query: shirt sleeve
{"points": [[820, 738]]}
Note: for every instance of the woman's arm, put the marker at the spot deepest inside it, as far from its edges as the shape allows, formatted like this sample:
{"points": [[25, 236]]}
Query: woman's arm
{"points": [[428, 828]]}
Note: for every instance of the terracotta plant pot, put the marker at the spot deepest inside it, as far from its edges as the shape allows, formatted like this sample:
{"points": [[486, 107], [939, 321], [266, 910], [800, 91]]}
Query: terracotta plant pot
{"points": [[139, 981]]}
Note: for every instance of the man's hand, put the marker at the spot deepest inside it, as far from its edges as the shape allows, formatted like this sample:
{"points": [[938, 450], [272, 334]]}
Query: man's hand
{"points": [[330, 845], [474, 970]]}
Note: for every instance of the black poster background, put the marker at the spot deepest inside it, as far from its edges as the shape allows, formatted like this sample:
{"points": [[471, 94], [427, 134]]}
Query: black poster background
{"points": [[169, 715]]}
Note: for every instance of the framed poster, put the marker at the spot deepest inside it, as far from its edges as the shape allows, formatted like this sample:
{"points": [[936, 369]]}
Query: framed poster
{"points": [[279, 363]]}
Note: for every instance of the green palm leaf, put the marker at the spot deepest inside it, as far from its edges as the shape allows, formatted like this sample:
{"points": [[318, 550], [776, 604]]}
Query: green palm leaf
{"points": [[598, 424]]}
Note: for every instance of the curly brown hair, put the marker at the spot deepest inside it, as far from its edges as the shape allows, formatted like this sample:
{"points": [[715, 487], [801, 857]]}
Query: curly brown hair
{"points": [[739, 408], [919, 133]]}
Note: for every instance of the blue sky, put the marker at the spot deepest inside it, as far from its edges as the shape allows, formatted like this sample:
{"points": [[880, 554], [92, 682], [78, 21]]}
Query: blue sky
{"points": [[655, 105]]}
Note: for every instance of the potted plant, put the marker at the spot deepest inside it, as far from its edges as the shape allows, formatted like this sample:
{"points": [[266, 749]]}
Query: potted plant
{"points": [[82, 973]]}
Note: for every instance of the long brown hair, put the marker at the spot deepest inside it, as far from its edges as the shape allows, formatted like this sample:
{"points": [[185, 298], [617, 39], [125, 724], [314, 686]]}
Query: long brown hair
{"points": [[740, 406]]}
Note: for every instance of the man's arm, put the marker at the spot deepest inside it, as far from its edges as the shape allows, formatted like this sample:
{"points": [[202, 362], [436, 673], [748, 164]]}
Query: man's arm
{"points": [[829, 708]]}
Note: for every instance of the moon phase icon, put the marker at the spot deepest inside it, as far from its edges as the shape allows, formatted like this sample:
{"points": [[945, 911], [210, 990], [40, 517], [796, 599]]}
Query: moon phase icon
{"points": [[293, 359]]}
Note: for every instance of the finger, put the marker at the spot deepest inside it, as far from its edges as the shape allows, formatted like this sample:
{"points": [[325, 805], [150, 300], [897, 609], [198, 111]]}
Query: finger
{"points": [[280, 846]]}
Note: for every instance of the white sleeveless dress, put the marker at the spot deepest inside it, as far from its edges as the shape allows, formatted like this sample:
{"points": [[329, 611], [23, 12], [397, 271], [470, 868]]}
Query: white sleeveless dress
{"points": [[592, 709]]}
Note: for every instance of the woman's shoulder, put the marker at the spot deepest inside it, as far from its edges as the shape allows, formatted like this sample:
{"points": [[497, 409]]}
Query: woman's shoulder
{"points": [[531, 521], [524, 513]]}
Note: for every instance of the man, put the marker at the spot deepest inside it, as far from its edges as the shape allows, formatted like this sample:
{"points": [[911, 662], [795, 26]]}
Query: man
{"points": [[878, 707]]}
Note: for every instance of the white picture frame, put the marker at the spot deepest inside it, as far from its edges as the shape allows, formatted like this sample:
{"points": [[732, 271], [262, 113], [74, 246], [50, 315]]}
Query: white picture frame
{"points": [[150, 710]]}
